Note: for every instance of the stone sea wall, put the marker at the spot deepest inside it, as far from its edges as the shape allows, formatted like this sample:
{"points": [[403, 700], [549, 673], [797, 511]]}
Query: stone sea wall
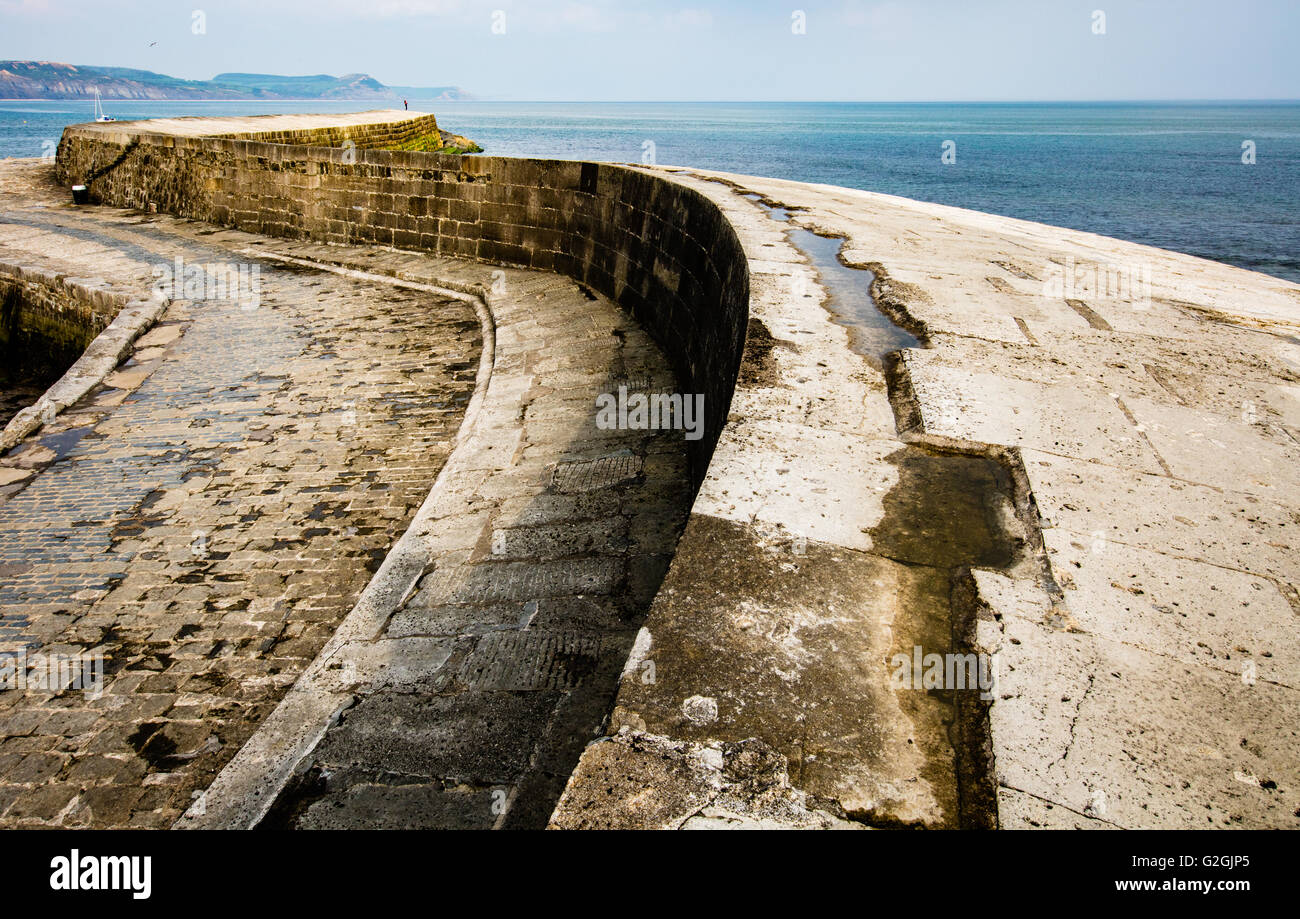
{"points": [[664, 252], [46, 323]]}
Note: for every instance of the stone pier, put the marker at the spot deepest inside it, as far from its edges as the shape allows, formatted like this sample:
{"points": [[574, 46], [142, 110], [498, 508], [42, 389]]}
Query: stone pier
{"points": [[429, 590]]}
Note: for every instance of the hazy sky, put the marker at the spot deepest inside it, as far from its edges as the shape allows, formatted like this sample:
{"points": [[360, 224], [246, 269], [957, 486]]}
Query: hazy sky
{"points": [[724, 50]]}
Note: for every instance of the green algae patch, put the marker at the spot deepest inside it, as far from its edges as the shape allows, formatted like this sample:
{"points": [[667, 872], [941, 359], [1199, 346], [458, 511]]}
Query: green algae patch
{"points": [[440, 142]]}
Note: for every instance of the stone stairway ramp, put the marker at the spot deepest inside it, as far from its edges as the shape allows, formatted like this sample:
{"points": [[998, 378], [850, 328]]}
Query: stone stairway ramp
{"points": [[461, 692]]}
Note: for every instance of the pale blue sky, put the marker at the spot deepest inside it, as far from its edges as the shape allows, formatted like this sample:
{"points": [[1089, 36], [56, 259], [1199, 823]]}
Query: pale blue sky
{"points": [[893, 50]]}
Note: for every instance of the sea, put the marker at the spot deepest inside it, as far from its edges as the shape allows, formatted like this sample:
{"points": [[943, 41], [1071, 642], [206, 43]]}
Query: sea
{"points": [[1219, 180]]}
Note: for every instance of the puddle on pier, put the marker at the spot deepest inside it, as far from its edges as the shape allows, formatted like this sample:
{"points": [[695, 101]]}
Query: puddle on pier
{"points": [[775, 211], [872, 334]]}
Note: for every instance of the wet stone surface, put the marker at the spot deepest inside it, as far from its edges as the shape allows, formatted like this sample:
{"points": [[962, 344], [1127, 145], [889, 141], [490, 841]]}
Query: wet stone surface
{"points": [[872, 333], [206, 518], [16, 395]]}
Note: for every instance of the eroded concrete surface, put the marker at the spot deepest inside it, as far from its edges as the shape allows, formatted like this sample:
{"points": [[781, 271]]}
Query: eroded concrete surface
{"points": [[1145, 628]]}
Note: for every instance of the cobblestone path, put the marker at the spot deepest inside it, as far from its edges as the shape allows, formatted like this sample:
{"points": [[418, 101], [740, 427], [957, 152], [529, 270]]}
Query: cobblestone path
{"points": [[203, 521]]}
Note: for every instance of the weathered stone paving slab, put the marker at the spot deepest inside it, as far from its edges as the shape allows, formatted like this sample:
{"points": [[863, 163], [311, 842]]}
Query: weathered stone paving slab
{"points": [[205, 519], [1147, 404]]}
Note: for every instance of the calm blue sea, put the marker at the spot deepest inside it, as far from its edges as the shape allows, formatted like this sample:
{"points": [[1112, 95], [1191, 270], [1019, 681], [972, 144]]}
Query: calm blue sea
{"points": [[1166, 174]]}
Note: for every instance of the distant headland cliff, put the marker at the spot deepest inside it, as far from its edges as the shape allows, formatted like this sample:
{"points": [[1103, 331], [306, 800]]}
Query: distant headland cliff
{"points": [[50, 80]]}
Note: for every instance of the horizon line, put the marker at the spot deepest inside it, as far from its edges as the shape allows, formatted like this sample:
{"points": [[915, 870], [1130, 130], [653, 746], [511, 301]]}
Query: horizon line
{"points": [[1133, 101]]}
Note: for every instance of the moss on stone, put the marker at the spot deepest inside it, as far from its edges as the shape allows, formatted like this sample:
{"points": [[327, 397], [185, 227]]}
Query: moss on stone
{"points": [[451, 144]]}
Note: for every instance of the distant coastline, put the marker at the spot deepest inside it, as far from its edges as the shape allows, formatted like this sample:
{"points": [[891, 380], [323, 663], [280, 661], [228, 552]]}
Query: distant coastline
{"points": [[411, 97], [47, 81]]}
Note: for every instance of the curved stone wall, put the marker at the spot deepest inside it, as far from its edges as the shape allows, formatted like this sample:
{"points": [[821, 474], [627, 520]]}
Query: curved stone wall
{"points": [[52, 324], [662, 251], [50, 317]]}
